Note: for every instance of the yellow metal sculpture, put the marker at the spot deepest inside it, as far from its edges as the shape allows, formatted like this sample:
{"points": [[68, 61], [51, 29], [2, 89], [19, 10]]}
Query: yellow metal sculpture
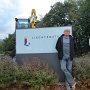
{"points": [[33, 18]]}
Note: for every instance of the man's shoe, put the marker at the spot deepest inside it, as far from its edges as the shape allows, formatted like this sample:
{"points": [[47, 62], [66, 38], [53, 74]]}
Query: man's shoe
{"points": [[73, 86]]}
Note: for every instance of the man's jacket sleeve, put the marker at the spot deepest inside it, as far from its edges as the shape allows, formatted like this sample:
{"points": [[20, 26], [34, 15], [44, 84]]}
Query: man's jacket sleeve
{"points": [[58, 45]]}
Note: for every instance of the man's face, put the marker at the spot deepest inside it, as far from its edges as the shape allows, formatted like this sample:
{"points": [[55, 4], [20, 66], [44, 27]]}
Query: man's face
{"points": [[66, 32]]}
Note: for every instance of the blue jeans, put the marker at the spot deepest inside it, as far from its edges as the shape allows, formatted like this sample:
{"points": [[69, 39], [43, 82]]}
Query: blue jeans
{"points": [[66, 67]]}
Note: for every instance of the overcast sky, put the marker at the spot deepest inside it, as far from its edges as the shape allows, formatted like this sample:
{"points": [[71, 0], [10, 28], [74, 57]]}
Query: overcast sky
{"points": [[11, 9]]}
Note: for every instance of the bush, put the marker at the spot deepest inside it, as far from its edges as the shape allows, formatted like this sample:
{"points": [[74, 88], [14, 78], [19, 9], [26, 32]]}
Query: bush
{"points": [[36, 74], [8, 72], [82, 68]]}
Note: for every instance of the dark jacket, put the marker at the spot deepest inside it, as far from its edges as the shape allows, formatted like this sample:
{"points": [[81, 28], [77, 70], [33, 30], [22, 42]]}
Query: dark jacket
{"points": [[59, 47]]}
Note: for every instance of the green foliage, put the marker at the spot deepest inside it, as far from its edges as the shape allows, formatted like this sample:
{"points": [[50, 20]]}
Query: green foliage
{"points": [[7, 72], [9, 45], [1, 47], [82, 68], [82, 33], [61, 14], [35, 74]]}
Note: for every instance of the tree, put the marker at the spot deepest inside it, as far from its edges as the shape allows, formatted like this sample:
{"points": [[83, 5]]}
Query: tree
{"points": [[1, 47], [9, 45], [85, 17], [83, 27], [61, 14]]}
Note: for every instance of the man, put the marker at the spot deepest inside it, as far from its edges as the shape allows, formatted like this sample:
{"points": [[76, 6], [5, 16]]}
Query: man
{"points": [[65, 48]]}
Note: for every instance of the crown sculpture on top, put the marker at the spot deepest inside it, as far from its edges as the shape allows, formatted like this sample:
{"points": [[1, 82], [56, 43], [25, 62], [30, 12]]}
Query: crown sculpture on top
{"points": [[33, 18]]}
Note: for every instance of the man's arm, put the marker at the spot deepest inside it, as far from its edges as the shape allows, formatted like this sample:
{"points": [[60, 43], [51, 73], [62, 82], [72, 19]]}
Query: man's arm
{"points": [[58, 44]]}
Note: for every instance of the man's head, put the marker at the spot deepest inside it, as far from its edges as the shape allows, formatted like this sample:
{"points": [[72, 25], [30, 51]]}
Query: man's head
{"points": [[66, 32]]}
